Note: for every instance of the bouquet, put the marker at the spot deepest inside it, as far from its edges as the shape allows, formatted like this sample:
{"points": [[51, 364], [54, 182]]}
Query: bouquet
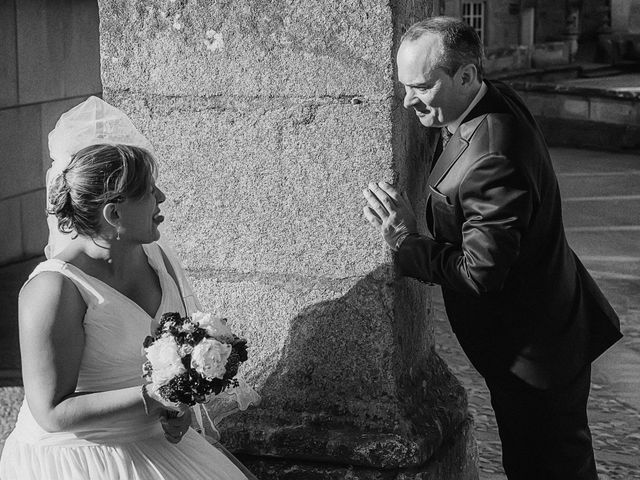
{"points": [[191, 358]]}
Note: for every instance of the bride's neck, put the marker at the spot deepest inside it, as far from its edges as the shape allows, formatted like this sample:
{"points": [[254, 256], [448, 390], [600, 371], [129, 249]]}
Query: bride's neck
{"points": [[115, 255]]}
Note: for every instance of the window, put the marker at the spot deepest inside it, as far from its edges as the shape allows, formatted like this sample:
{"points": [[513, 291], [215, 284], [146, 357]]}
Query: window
{"points": [[473, 14]]}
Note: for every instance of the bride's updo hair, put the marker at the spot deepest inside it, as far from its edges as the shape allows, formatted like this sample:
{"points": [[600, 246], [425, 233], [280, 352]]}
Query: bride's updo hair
{"points": [[97, 175]]}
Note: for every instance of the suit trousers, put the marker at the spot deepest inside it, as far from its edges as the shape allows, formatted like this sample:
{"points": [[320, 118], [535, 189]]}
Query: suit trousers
{"points": [[544, 433]]}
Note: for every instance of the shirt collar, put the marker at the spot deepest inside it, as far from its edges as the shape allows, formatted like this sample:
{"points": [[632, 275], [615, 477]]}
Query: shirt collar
{"points": [[453, 126]]}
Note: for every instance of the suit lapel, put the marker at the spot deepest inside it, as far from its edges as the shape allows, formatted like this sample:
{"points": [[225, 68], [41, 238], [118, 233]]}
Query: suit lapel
{"points": [[491, 102], [456, 146]]}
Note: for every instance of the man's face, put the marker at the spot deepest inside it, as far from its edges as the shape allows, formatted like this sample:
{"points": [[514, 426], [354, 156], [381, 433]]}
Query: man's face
{"points": [[434, 95]]}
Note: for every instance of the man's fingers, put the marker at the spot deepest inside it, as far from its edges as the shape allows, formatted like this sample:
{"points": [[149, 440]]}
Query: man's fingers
{"points": [[371, 216], [375, 204], [390, 191], [383, 197]]}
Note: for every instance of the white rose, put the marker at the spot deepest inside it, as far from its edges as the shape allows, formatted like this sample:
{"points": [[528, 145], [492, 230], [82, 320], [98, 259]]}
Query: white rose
{"points": [[215, 326], [165, 360], [209, 358]]}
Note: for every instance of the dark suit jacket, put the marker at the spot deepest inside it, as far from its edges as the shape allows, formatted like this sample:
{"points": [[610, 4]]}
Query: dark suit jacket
{"points": [[516, 295]]}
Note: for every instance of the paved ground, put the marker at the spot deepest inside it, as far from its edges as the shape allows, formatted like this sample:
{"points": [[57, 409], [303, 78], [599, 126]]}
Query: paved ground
{"points": [[602, 214], [601, 193]]}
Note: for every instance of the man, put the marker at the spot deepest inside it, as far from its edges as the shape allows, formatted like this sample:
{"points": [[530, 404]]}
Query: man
{"points": [[526, 312]]}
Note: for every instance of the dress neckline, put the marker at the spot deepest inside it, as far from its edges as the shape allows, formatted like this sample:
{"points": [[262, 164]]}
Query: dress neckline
{"points": [[152, 264]]}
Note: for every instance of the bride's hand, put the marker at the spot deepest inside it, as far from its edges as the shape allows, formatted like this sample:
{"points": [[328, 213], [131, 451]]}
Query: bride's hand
{"points": [[175, 426], [155, 405]]}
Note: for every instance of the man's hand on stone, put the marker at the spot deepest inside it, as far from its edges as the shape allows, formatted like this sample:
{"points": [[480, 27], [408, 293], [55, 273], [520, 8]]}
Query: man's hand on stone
{"points": [[389, 211]]}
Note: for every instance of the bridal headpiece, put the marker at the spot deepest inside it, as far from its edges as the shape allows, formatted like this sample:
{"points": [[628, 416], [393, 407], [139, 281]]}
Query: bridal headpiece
{"points": [[92, 122]]}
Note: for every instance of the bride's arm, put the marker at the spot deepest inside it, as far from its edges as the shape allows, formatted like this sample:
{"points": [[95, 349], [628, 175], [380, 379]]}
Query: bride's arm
{"points": [[51, 312]]}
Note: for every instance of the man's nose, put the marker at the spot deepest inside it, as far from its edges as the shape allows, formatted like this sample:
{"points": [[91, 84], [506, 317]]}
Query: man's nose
{"points": [[409, 98]]}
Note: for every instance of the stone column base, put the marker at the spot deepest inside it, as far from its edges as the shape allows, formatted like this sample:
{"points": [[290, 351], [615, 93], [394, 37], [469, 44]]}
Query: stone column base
{"points": [[455, 460]]}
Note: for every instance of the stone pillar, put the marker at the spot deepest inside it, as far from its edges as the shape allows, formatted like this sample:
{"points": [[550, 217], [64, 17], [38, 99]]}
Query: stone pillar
{"points": [[572, 28], [269, 118]]}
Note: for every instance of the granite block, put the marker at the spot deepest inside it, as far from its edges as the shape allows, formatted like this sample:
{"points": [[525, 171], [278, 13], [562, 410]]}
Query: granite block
{"points": [[574, 108], [252, 185], [614, 111], [247, 48]]}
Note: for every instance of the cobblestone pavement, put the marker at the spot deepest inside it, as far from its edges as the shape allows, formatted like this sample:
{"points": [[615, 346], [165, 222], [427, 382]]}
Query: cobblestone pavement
{"points": [[10, 400]]}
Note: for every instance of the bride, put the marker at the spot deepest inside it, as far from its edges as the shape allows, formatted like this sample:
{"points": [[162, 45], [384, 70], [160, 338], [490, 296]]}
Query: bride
{"points": [[84, 314]]}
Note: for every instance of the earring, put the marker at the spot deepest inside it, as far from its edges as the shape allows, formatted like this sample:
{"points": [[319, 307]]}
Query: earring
{"points": [[118, 232]]}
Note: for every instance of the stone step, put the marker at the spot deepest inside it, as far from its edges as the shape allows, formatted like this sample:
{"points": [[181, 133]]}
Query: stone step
{"points": [[598, 243], [615, 184], [617, 267], [620, 107], [590, 134], [599, 112], [613, 212], [606, 71], [569, 161]]}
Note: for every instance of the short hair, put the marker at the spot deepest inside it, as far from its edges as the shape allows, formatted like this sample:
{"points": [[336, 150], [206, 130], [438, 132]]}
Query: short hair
{"points": [[95, 176], [461, 43]]}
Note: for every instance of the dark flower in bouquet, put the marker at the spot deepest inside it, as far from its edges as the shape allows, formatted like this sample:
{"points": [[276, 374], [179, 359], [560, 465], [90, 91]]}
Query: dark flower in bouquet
{"points": [[192, 358]]}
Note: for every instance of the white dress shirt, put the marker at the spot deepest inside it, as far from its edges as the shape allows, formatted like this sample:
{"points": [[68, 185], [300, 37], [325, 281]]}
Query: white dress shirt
{"points": [[453, 126]]}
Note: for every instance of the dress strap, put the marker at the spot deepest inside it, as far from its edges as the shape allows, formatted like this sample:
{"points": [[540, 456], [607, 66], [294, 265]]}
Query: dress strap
{"points": [[174, 268], [88, 291]]}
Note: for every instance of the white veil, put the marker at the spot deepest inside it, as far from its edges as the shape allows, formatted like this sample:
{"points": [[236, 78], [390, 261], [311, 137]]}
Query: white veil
{"points": [[93, 122]]}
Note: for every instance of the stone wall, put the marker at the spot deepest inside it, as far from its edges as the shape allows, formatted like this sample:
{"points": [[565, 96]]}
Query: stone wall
{"points": [[503, 19], [49, 62], [268, 119]]}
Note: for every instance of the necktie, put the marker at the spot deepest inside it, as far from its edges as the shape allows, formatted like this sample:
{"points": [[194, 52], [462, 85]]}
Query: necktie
{"points": [[446, 135]]}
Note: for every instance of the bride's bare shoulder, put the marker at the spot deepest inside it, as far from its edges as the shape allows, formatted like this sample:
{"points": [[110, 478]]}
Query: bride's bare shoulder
{"points": [[49, 291]]}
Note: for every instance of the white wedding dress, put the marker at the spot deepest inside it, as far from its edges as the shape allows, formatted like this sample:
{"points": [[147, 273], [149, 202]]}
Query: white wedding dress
{"points": [[131, 448]]}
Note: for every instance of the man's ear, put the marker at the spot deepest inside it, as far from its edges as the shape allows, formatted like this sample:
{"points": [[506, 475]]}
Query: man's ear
{"points": [[111, 215], [468, 74]]}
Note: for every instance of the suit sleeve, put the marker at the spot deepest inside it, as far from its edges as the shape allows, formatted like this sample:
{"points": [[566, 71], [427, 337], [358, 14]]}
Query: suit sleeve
{"points": [[496, 204]]}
